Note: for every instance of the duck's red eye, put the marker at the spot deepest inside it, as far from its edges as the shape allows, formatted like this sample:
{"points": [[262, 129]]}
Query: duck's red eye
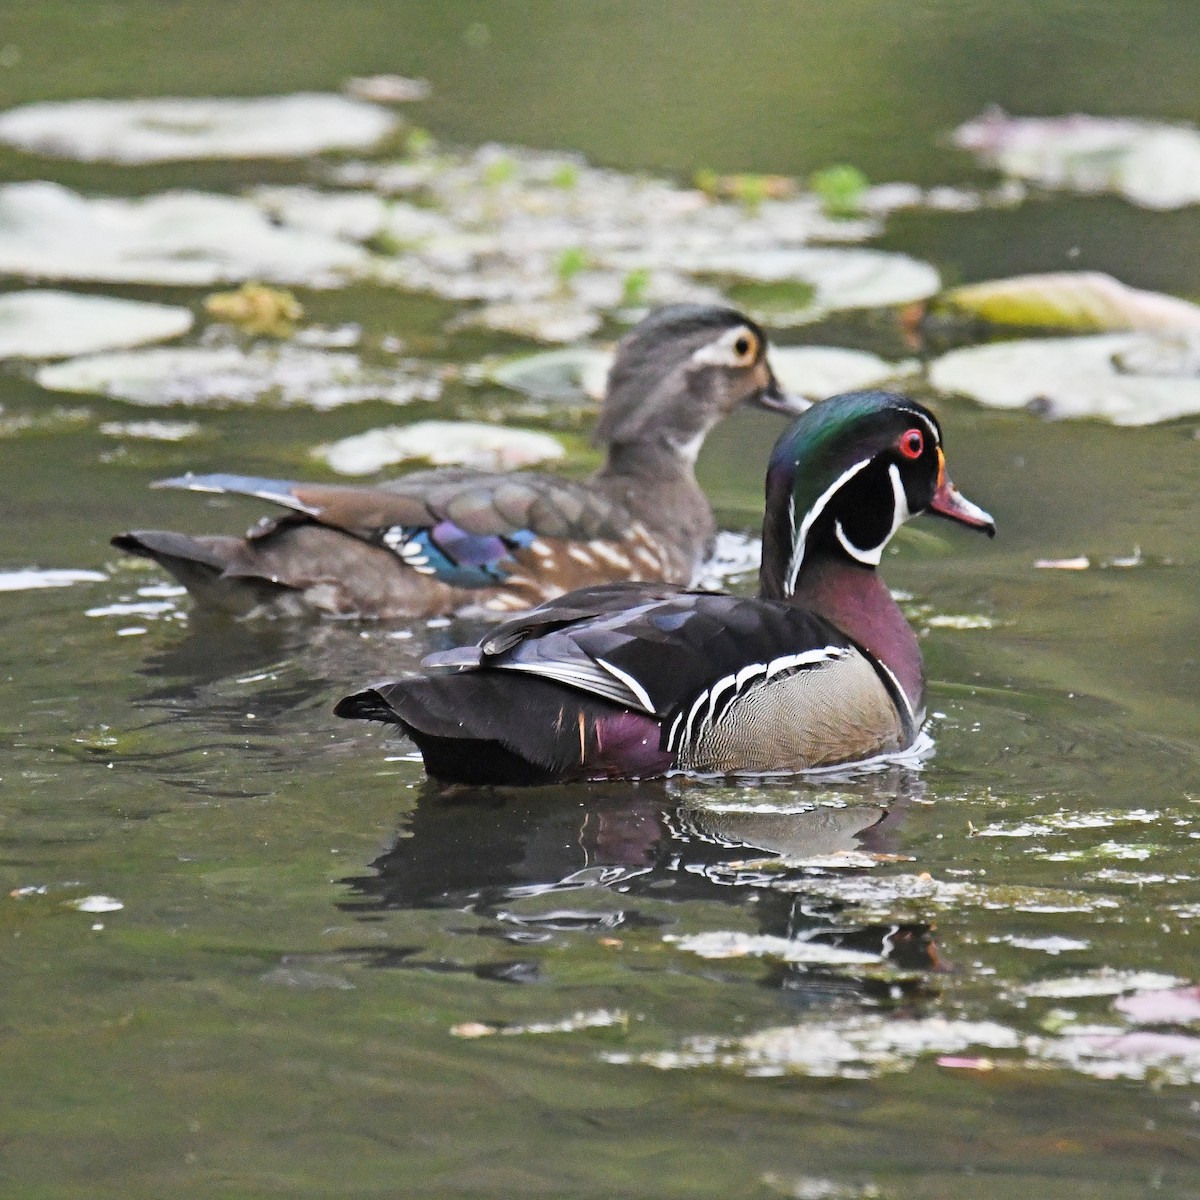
{"points": [[911, 444]]}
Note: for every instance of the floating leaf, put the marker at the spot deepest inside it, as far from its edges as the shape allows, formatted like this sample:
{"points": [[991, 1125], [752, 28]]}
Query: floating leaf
{"points": [[226, 375], [256, 309], [443, 443], [1083, 301], [1151, 164], [741, 945], [389, 89], [854, 1049], [822, 371], [162, 130], [839, 278], [188, 238], [34, 577], [1102, 376], [42, 324], [1164, 1006], [565, 374]]}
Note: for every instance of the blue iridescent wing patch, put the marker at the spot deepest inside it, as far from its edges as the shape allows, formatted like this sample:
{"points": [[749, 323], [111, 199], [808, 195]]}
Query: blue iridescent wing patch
{"points": [[455, 556]]}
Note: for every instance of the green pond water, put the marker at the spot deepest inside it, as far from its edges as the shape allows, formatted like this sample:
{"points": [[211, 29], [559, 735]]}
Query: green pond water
{"points": [[308, 930]]}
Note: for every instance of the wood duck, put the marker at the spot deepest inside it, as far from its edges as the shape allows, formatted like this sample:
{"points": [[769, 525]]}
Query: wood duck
{"points": [[632, 680], [454, 540]]}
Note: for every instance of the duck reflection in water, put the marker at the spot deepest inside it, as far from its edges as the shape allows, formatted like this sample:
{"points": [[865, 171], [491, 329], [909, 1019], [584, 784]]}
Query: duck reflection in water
{"points": [[617, 857]]}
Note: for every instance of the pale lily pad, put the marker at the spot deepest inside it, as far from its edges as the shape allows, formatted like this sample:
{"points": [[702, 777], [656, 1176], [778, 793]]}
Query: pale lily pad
{"points": [[1102, 376], [1116, 1054], [565, 374], [724, 944], [151, 431], [1103, 982], [853, 1049], [443, 443], [35, 577], [1082, 301], [389, 89], [188, 238], [1151, 164], [167, 129], [1164, 1006], [227, 375], [549, 320], [840, 278], [821, 371], [41, 324]]}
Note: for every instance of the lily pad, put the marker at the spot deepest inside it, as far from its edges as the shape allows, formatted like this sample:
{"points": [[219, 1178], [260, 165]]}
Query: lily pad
{"points": [[722, 944], [1151, 164], [1110, 375], [839, 278], [821, 371], [35, 577], [168, 129], [189, 238], [42, 324], [565, 374], [228, 375], [854, 1049], [443, 443], [1082, 301]]}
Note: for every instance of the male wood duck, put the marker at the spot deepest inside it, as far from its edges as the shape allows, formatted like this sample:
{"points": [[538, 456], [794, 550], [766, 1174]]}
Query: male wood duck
{"points": [[451, 540], [631, 680]]}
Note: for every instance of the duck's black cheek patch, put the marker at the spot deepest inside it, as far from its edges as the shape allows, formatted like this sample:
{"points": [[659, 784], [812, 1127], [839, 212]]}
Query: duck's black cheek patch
{"points": [[864, 507]]}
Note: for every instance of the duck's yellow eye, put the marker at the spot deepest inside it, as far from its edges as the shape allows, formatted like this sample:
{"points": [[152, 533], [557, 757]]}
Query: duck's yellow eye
{"points": [[745, 347]]}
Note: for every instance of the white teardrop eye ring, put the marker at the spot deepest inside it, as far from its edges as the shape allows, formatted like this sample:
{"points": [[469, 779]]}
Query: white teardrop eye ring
{"points": [[911, 444]]}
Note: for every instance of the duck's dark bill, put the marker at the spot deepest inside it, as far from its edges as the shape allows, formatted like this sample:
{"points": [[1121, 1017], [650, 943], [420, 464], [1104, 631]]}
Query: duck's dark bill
{"points": [[773, 397], [949, 502]]}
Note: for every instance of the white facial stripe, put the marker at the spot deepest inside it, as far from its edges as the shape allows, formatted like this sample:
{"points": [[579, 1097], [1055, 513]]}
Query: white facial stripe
{"points": [[800, 539], [721, 353]]}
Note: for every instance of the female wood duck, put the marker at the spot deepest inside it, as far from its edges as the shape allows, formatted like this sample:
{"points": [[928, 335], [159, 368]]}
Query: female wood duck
{"points": [[451, 540], [632, 680]]}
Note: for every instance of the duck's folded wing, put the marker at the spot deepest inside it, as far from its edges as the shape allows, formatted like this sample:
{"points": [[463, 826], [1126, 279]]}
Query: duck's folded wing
{"points": [[664, 653], [460, 526]]}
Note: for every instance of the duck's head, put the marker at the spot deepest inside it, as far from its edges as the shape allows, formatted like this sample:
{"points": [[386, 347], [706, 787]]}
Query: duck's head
{"points": [[846, 476], [680, 370]]}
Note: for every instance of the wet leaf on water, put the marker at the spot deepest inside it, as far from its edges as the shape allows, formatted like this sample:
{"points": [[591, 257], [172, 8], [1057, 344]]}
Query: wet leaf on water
{"points": [[1080, 301], [153, 431], [1103, 982], [565, 374], [1165, 1006], [186, 238], [842, 188], [818, 372], [46, 324], [721, 944], [168, 129], [442, 443], [1151, 164], [35, 577], [257, 309], [860, 1048], [389, 89], [1108, 375], [227, 375]]}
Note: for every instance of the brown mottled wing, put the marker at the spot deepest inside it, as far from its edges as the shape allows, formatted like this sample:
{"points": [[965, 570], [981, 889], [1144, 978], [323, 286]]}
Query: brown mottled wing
{"points": [[478, 502]]}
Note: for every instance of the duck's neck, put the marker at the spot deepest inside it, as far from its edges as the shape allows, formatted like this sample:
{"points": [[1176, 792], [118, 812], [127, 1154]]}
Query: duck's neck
{"points": [[856, 600], [656, 482]]}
